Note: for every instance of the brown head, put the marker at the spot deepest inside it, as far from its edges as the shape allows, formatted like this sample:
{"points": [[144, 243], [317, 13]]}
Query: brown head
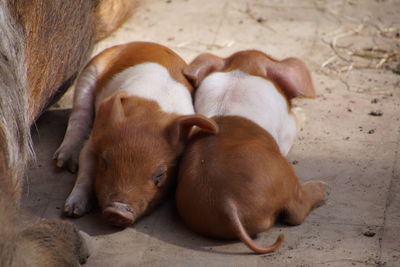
{"points": [[290, 75], [137, 147]]}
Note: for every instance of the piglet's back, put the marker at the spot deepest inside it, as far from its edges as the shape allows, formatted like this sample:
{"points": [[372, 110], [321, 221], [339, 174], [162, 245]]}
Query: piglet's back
{"points": [[118, 58], [238, 163]]}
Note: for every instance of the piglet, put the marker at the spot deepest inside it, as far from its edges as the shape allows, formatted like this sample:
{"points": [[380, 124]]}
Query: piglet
{"points": [[235, 183], [140, 105]]}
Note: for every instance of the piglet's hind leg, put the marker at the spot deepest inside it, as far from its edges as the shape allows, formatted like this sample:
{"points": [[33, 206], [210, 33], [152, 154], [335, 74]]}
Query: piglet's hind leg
{"points": [[308, 196], [80, 121], [80, 200]]}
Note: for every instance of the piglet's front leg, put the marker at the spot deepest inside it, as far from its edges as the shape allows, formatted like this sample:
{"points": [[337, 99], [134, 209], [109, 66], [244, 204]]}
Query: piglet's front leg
{"points": [[67, 155], [80, 200], [80, 121]]}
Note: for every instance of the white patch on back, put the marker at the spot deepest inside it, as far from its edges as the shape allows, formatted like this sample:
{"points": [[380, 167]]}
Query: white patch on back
{"points": [[239, 94], [151, 81]]}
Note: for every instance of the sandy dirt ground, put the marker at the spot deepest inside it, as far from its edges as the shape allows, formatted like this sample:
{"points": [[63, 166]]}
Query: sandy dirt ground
{"points": [[350, 140]]}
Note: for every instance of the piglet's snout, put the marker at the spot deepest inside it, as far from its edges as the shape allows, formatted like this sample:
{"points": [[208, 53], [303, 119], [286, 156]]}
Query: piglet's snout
{"points": [[119, 214]]}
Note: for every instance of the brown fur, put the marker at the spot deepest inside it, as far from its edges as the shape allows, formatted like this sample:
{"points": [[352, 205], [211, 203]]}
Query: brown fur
{"points": [[137, 147], [125, 165], [43, 45], [53, 60], [51, 243], [14, 124], [235, 184]]}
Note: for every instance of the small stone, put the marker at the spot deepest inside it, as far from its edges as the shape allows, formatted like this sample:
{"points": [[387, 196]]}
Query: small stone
{"points": [[396, 70], [369, 234], [260, 20], [371, 131], [376, 113]]}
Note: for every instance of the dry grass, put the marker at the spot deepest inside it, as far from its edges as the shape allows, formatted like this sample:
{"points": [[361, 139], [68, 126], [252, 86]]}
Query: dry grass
{"points": [[349, 55]]}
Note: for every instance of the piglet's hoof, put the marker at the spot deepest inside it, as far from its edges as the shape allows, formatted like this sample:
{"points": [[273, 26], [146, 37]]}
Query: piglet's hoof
{"points": [[76, 207], [119, 214], [325, 191], [67, 158]]}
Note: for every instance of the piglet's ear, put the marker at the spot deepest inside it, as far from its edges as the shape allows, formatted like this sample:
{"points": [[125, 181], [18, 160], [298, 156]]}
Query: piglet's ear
{"points": [[201, 66], [180, 128], [111, 110], [292, 76]]}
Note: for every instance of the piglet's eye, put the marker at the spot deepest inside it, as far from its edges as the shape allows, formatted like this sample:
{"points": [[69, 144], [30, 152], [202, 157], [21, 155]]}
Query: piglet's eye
{"points": [[157, 179], [160, 175]]}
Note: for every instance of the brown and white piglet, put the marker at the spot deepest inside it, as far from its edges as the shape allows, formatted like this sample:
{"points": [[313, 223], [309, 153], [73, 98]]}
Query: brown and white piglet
{"points": [[235, 183], [140, 105]]}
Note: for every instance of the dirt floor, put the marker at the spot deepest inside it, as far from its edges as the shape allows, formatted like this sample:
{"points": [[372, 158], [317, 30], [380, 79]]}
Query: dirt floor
{"points": [[351, 138]]}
